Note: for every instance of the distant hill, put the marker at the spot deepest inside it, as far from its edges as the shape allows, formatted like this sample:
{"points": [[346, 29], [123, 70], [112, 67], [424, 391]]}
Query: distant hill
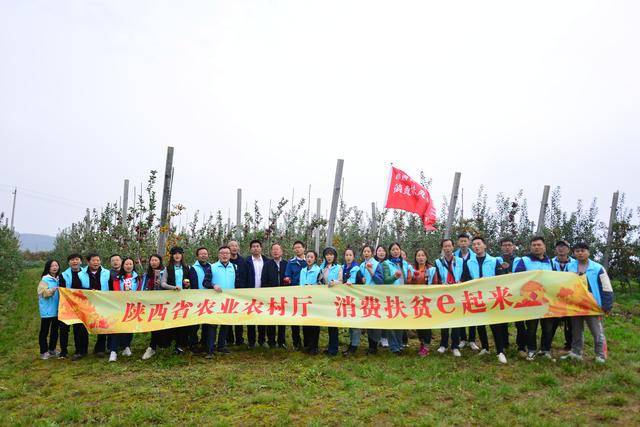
{"points": [[36, 242]]}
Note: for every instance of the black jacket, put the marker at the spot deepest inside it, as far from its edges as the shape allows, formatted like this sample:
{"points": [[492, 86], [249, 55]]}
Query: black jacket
{"points": [[273, 273], [251, 272], [241, 271]]}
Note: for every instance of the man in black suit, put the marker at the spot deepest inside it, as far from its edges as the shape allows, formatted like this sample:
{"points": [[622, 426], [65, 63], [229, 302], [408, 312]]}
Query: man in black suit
{"points": [[272, 276], [235, 332], [255, 266]]}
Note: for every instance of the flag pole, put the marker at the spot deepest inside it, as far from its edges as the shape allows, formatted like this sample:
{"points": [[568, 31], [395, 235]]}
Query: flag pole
{"points": [[386, 197]]}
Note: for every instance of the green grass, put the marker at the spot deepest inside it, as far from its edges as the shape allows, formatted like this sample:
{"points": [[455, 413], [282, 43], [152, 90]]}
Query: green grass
{"points": [[277, 387]]}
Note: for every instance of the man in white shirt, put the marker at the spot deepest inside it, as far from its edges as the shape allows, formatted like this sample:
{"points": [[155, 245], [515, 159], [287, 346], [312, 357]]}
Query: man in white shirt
{"points": [[255, 264]]}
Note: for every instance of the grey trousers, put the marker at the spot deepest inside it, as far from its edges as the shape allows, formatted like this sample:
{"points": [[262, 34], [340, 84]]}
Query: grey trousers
{"points": [[595, 326]]}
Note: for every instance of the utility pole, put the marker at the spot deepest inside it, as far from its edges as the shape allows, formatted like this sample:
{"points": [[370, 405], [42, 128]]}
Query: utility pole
{"points": [[238, 213], [452, 204], [13, 209], [612, 221], [317, 230], [125, 202], [166, 200], [334, 201], [543, 209]]}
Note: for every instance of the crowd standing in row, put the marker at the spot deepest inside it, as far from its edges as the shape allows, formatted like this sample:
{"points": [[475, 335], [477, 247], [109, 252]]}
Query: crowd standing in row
{"points": [[382, 266]]}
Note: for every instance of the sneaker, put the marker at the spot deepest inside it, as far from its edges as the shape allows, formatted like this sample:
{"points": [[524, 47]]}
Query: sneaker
{"points": [[209, 356], [571, 356], [531, 355], [424, 351], [265, 346], [282, 346], [178, 351], [62, 356], [546, 355], [483, 352], [462, 344], [456, 352], [54, 353], [126, 352], [113, 356], [45, 356], [77, 357], [148, 353], [502, 358], [441, 350], [473, 346], [601, 360], [384, 343]]}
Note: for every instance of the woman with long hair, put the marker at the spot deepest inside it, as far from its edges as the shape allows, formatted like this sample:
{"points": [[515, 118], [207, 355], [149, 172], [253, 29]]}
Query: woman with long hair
{"points": [[48, 297], [331, 275], [152, 281], [423, 274], [394, 271], [175, 277]]}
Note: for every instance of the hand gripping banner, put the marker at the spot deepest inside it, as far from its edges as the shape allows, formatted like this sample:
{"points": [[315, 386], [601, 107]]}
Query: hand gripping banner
{"points": [[500, 299]]}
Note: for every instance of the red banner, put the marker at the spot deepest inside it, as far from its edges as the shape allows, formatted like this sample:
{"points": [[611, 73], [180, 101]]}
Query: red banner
{"points": [[406, 194]]}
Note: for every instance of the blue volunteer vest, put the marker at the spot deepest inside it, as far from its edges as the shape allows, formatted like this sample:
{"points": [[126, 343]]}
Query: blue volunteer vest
{"points": [[199, 273], [593, 276], [309, 276], [84, 279], [368, 278], [457, 269], [49, 306], [488, 267]]}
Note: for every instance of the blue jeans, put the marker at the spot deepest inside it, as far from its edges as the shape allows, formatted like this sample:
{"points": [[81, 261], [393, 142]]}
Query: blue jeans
{"points": [[210, 332], [395, 339], [354, 337]]}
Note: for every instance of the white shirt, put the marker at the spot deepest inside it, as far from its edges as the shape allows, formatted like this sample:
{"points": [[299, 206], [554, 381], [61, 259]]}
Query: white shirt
{"points": [[258, 263]]}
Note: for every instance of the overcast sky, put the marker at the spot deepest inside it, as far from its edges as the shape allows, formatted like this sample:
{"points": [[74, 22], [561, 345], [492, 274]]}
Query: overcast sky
{"points": [[267, 95]]}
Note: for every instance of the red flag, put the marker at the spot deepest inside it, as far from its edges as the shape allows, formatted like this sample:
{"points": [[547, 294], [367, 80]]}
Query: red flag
{"points": [[406, 194]]}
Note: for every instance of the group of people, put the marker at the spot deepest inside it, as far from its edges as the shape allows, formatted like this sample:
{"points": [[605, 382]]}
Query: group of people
{"points": [[379, 266]]}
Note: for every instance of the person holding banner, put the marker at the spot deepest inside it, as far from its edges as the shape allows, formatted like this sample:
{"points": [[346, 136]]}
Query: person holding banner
{"points": [[99, 279], [537, 260], [393, 271], [602, 291], [449, 271], [235, 332], [272, 276], [175, 277], [561, 263], [223, 277], [74, 277], [125, 281], [507, 260], [465, 253], [366, 272], [484, 265], [151, 281], [381, 255], [310, 275], [48, 298], [331, 275], [255, 265], [423, 274], [292, 278], [350, 275], [199, 278]]}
